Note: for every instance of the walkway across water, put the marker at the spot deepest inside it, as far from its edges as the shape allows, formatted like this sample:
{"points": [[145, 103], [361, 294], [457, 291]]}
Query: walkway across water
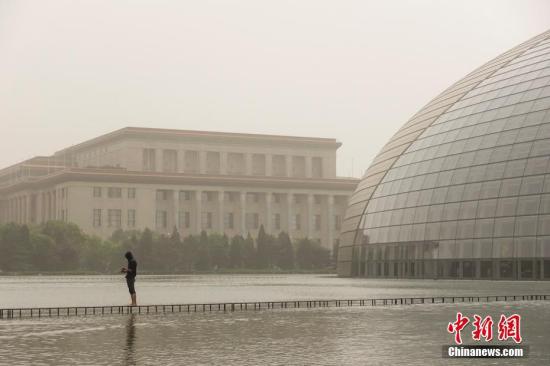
{"points": [[253, 306]]}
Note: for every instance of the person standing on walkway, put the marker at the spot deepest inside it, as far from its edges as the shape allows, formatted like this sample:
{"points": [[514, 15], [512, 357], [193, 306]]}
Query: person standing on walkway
{"points": [[131, 272]]}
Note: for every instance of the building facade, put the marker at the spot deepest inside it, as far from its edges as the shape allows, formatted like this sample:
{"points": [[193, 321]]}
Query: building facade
{"points": [[462, 190], [137, 178]]}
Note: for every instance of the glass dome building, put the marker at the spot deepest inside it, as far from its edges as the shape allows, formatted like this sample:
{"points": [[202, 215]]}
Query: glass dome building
{"points": [[462, 190]]}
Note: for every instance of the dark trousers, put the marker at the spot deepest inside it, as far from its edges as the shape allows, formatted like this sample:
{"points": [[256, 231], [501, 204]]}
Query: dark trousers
{"points": [[130, 282]]}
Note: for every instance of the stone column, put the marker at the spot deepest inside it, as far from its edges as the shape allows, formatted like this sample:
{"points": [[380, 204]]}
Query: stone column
{"points": [[288, 165], [202, 162], [269, 220], [28, 209], [221, 227], [243, 213], [268, 165], [308, 167], [311, 217], [42, 207], [248, 164], [223, 162], [153, 211], [16, 209], [175, 209], [330, 220], [158, 160], [39, 208], [198, 211], [181, 161], [289, 198], [56, 204], [21, 209]]}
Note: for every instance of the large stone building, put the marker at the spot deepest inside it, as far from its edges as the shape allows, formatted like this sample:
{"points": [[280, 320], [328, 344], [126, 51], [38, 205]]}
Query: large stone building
{"points": [[137, 178], [462, 190]]}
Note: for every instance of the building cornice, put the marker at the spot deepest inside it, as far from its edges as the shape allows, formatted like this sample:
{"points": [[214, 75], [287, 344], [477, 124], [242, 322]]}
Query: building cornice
{"points": [[142, 132], [134, 177]]}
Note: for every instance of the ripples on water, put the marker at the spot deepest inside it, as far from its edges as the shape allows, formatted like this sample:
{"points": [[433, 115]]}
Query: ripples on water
{"points": [[408, 335]]}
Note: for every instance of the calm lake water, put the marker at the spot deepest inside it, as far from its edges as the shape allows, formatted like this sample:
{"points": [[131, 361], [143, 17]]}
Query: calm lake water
{"points": [[332, 336]]}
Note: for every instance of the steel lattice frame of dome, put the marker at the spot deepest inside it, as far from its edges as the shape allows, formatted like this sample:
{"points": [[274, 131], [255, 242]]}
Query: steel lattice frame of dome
{"points": [[462, 190]]}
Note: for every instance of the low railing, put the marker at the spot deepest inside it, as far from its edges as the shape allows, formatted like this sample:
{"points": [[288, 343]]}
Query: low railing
{"points": [[12, 313]]}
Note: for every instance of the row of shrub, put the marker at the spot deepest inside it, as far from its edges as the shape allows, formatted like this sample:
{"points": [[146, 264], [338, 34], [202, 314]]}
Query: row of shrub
{"points": [[62, 247]]}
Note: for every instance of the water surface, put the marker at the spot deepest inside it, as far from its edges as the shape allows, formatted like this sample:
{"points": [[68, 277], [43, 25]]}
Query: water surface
{"points": [[411, 335]]}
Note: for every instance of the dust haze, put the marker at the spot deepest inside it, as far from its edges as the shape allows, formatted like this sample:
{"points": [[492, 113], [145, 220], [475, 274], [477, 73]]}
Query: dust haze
{"points": [[353, 70]]}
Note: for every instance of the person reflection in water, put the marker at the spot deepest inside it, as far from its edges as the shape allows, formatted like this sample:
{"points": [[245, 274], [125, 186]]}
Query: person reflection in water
{"points": [[130, 359], [131, 272]]}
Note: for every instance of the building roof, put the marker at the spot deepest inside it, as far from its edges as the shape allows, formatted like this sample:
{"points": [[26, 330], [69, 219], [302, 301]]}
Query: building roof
{"points": [[208, 135]]}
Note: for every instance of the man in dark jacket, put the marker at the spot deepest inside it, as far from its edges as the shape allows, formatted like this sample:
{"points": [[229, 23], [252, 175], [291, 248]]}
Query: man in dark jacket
{"points": [[131, 272]]}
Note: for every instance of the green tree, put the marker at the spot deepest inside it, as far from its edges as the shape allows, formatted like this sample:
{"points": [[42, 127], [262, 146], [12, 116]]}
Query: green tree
{"points": [[249, 253], [144, 249], [218, 249], [68, 239], [202, 260], [263, 249], [189, 252], [15, 248], [236, 250], [44, 253], [285, 252], [95, 255], [310, 255]]}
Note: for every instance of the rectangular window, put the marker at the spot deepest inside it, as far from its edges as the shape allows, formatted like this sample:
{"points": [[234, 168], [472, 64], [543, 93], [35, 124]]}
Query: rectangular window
{"points": [[169, 161], [161, 219], [162, 194], [229, 196], [114, 217], [298, 166], [317, 222], [252, 220], [235, 164], [279, 165], [132, 218], [252, 197], [337, 222], [206, 220], [131, 193], [184, 195], [97, 217], [191, 162], [114, 192], [317, 199], [97, 191], [277, 221], [297, 224], [149, 160], [228, 222], [258, 164], [207, 196], [184, 219], [277, 197], [316, 167], [212, 162]]}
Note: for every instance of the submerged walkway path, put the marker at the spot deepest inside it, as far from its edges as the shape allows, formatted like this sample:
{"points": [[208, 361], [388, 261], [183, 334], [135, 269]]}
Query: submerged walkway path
{"points": [[13, 313]]}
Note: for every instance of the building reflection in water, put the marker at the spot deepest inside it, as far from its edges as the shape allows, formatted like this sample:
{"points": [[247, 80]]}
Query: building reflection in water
{"points": [[130, 357]]}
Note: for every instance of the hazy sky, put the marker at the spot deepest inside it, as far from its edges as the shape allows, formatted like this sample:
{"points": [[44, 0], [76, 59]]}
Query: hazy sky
{"points": [[352, 70]]}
